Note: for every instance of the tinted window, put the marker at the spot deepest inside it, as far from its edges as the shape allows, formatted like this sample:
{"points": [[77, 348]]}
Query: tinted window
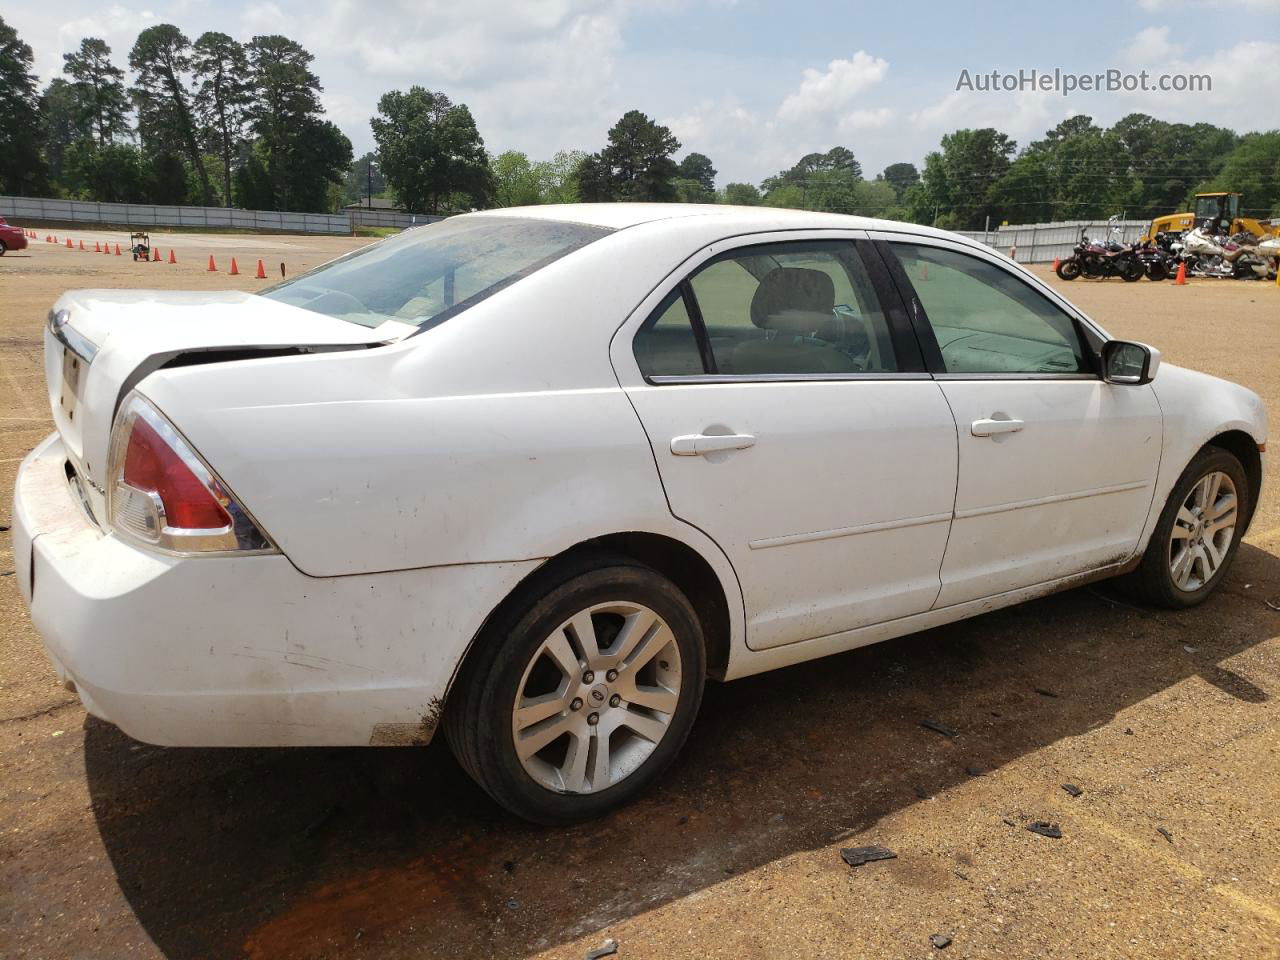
{"points": [[666, 345], [425, 275], [986, 319], [793, 308]]}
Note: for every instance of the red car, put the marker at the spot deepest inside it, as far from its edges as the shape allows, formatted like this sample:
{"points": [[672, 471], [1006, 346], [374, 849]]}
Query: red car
{"points": [[11, 238]]}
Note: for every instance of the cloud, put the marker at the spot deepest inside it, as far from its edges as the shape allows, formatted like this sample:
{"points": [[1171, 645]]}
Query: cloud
{"points": [[825, 91]]}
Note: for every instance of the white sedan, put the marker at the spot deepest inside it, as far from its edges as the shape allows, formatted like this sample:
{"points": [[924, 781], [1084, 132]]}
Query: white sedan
{"points": [[535, 475]]}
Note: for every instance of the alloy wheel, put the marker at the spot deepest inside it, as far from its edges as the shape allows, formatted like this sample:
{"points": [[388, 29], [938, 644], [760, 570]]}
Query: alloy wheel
{"points": [[596, 698], [1202, 531]]}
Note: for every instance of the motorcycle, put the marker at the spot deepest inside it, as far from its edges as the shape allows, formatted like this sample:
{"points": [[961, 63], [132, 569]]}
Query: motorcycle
{"points": [[1210, 255], [1097, 261]]}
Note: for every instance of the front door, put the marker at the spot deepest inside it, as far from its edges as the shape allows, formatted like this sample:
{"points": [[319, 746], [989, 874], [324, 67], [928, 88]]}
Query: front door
{"points": [[792, 421], [1057, 468]]}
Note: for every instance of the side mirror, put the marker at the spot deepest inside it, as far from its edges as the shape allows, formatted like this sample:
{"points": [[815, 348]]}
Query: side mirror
{"points": [[1129, 363]]}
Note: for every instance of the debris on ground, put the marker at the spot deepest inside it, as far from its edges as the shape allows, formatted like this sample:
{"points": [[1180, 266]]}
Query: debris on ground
{"points": [[976, 770], [1190, 649], [961, 875], [4, 527], [1072, 789], [857, 856], [1273, 606], [922, 793], [606, 949], [939, 728], [513, 904], [940, 940], [1165, 833], [1045, 693], [1045, 829], [1009, 823], [1128, 731]]}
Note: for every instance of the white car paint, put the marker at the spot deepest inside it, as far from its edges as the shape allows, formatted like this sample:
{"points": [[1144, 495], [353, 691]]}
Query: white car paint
{"points": [[411, 485]]}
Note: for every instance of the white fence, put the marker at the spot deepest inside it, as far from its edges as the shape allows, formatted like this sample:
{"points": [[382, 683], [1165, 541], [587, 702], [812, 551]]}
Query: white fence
{"points": [[388, 218], [1043, 242], [19, 209]]}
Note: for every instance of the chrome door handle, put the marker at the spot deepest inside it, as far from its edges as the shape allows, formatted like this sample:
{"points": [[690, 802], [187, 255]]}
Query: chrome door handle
{"points": [[989, 428], [697, 444]]}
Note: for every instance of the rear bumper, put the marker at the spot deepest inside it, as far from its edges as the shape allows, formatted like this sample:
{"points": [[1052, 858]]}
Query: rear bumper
{"points": [[14, 241], [239, 651]]}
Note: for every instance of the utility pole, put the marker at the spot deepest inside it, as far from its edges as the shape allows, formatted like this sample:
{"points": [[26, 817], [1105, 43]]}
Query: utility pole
{"points": [[370, 173]]}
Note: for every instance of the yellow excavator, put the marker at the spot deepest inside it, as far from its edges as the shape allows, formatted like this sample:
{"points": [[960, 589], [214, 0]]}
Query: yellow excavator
{"points": [[1210, 206]]}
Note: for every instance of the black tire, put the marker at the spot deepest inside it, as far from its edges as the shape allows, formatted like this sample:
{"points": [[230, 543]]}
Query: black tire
{"points": [[1132, 270], [1068, 269], [478, 716], [1157, 270], [3, 248], [1153, 580]]}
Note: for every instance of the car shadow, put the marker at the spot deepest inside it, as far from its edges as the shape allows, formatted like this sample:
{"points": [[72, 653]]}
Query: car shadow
{"points": [[304, 852]]}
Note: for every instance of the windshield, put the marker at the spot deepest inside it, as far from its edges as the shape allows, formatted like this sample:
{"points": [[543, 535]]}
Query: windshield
{"points": [[427, 274], [1227, 205]]}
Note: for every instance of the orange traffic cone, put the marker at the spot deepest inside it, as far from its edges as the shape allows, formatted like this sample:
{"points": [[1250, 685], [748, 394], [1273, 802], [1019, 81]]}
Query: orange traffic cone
{"points": [[81, 244], [156, 258], [117, 249], [1182, 275], [262, 272], [68, 243], [235, 271], [212, 266], [172, 258], [106, 248], [1054, 268], [97, 247]]}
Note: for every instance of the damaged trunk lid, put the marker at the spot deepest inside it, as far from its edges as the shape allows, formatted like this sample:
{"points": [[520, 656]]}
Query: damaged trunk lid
{"points": [[100, 343]]}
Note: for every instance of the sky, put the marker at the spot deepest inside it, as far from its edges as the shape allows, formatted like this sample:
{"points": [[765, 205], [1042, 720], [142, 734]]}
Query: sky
{"points": [[752, 85]]}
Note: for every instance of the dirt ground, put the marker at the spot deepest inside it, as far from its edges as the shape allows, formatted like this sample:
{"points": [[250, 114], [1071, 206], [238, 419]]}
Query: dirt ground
{"points": [[109, 847]]}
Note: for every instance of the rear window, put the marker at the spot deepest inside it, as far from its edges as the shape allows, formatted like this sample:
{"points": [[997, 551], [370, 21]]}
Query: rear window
{"points": [[426, 275]]}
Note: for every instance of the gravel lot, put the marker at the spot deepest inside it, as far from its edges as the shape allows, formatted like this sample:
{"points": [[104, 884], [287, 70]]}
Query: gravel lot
{"points": [[109, 847]]}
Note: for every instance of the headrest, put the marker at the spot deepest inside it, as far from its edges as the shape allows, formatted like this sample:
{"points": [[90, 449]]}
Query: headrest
{"points": [[793, 300]]}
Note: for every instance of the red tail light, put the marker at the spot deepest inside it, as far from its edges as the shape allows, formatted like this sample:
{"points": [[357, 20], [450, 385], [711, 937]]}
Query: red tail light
{"points": [[152, 467], [161, 493]]}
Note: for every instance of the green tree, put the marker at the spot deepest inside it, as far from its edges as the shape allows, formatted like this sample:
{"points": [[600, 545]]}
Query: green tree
{"points": [[161, 56], [300, 152], [902, 177], [22, 169], [222, 99], [431, 150], [61, 123], [636, 164], [514, 182], [742, 194], [836, 159], [956, 182], [99, 88], [113, 173], [558, 177], [697, 167], [364, 179], [1252, 168]]}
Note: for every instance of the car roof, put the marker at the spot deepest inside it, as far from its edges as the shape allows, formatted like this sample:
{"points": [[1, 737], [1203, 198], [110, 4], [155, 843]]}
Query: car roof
{"points": [[618, 216]]}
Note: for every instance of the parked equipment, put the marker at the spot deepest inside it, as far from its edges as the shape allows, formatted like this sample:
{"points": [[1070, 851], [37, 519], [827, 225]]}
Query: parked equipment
{"points": [[140, 244]]}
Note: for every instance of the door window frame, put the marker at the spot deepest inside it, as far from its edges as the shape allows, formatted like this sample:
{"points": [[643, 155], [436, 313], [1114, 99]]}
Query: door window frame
{"points": [[1090, 336], [904, 337]]}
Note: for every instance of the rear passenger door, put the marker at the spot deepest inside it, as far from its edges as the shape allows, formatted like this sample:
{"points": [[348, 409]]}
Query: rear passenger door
{"points": [[791, 419]]}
